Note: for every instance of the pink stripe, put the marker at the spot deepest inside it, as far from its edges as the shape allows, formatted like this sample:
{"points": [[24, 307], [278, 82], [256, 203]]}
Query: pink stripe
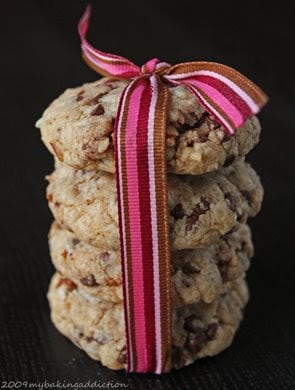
{"points": [[153, 208], [122, 220], [114, 69], [253, 106], [135, 227], [97, 56], [229, 93], [151, 64], [212, 110], [221, 101], [242, 93], [83, 28], [114, 61]]}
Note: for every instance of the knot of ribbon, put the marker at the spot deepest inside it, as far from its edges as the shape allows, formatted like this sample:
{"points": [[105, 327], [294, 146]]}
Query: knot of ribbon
{"points": [[141, 179]]}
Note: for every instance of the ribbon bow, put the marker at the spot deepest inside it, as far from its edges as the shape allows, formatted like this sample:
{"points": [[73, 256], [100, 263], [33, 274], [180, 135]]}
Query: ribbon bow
{"points": [[141, 177]]}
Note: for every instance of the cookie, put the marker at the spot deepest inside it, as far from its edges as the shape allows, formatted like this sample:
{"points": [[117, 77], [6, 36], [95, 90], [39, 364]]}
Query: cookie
{"points": [[98, 328], [196, 275], [78, 129], [202, 208]]}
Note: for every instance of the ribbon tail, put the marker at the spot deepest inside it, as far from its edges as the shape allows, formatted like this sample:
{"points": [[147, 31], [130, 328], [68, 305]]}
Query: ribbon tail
{"points": [[140, 133], [230, 121], [228, 95], [101, 62]]}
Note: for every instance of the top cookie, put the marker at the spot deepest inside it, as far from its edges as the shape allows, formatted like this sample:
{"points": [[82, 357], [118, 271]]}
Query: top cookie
{"points": [[78, 128]]}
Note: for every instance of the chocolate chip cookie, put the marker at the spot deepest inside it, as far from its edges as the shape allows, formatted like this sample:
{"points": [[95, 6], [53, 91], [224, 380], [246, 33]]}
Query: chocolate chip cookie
{"points": [[97, 326], [78, 129], [202, 208], [196, 275]]}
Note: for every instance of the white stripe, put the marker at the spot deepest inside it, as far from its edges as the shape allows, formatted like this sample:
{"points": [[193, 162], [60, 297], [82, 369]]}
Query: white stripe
{"points": [[153, 206], [247, 98], [162, 65]]}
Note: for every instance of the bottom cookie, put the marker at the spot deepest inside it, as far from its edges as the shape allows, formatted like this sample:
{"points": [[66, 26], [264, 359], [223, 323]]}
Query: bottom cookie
{"points": [[97, 326]]}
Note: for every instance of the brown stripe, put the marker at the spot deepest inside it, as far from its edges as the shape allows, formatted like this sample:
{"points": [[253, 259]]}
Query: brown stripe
{"points": [[163, 221], [243, 82], [214, 105], [126, 214]]}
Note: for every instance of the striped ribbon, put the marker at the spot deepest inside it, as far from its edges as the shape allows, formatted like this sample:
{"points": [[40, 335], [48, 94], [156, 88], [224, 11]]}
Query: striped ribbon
{"points": [[141, 177]]}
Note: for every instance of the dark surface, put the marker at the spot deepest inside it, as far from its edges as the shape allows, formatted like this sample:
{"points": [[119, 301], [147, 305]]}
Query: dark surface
{"points": [[40, 57]]}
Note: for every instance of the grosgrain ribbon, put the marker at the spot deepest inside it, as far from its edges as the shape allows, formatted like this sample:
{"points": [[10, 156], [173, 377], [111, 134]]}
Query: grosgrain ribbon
{"points": [[141, 177]]}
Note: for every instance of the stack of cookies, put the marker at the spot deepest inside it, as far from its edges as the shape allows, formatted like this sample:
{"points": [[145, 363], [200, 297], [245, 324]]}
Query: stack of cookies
{"points": [[212, 192]]}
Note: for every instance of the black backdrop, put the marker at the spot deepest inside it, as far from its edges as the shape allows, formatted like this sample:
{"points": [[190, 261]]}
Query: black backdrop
{"points": [[40, 57]]}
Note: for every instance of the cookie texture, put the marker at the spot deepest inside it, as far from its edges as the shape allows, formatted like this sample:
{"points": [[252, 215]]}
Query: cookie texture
{"points": [[78, 129], [97, 326], [196, 275], [202, 208]]}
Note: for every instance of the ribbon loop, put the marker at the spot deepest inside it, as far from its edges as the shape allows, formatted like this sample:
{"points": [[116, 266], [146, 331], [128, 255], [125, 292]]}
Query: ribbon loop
{"points": [[104, 63], [150, 66], [155, 66], [228, 95]]}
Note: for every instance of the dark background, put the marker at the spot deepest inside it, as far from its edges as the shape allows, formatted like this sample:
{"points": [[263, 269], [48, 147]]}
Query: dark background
{"points": [[40, 57]]}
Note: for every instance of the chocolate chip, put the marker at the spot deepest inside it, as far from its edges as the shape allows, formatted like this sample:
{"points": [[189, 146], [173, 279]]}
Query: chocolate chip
{"points": [[57, 204], [184, 128], [231, 201], [178, 211], [226, 137], [98, 110], [203, 137], [195, 343], [243, 246], [49, 197], [200, 208], [68, 283], [112, 86], [186, 283], [211, 331], [177, 357], [193, 324], [96, 98], [89, 281], [247, 195], [203, 118], [216, 125], [80, 95], [223, 266], [229, 233], [75, 241], [112, 83], [189, 269], [64, 254], [122, 358], [229, 160], [105, 256]]}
